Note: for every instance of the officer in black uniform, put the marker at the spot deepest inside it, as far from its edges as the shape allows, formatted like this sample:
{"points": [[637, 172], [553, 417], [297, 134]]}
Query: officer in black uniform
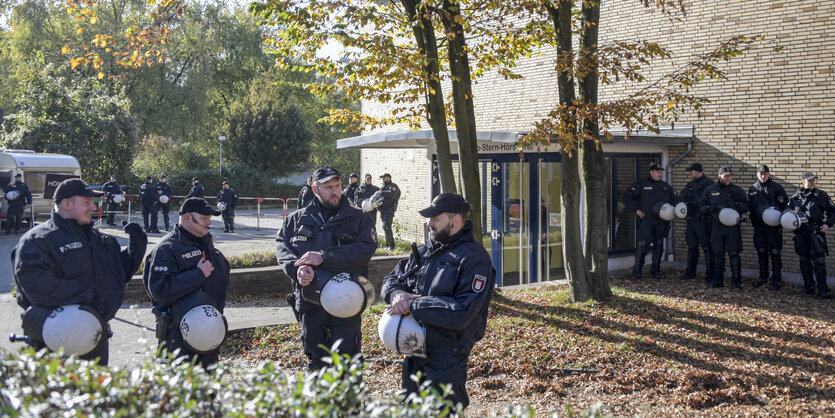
{"points": [[351, 188], [184, 261], [149, 198], [724, 194], [363, 192], [446, 284], [197, 189], [768, 240], [698, 226], [14, 212], [809, 240], [641, 197], [228, 196], [65, 261], [331, 235], [391, 197], [306, 195], [111, 189], [164, 189]]}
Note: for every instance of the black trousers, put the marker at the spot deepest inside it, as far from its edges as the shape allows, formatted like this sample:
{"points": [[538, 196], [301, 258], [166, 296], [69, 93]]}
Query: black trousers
{"points": [[650, 234], [151, 213], [387, 216], [812, 250], [438, 368], [228, 216], [112, 207], [768, 241], [726, 239], [697, 235], [322, 329], [166, 209], [14, 217]]}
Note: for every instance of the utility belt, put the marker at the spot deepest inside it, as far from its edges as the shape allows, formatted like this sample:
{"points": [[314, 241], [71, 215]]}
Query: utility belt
{"points": [[165, 321]]}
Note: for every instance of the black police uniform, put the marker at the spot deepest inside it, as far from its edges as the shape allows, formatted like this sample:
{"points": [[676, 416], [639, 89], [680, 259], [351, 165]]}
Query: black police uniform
{"points": [[63, 263], [349, 191], [230, 197], [391, 197], [809, 241], [14, 212], [306, 196], [697, 233], [455, 279], [149, 198], [171, 273], [644, 195], [364, 191], [196, 191], [111, 189], [164, 189], [347, 240], [724, 238], [768, 240]]}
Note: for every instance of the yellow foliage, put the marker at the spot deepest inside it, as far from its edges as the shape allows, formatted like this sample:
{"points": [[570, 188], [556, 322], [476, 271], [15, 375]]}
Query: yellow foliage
{"points": [[100, 75], [65, 50]]}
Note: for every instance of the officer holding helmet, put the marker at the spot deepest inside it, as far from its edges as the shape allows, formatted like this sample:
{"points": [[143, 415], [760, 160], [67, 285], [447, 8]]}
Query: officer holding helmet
{"points": [[809, 240], [164, 189], [184, 262], [111, 189], [351, 188], [642, 197], [697, 233], [14, 213], [446, 284], [725, 234], [328, 236], [149, 198], [65, 261], [391, 197], [365, 191], [768, 240], [229, 197]]}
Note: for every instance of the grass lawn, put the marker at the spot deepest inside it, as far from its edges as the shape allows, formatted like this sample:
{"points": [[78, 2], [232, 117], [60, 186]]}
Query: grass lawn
{"points": [[658, 348]]}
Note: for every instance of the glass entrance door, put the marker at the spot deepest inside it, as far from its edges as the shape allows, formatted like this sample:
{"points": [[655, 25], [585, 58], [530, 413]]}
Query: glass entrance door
{"points": [[516, 248], [550, 235]]}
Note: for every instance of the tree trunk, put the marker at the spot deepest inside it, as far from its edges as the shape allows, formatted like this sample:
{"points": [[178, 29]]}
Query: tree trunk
{"points": [[464, 112], [424, 31], [593, 163]]}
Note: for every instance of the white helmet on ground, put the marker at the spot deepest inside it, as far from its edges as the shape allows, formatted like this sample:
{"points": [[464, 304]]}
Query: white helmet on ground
{"points": [[221, 206], [664, 211], [119, 198], [12, 194], [771, 216], [74, 328], [342, 295], [163, 199], [792, 220], [402, 334], [203, 327], [681, 210], [729, 217]]}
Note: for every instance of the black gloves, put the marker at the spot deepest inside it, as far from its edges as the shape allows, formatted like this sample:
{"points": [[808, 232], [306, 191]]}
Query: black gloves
{"points": [[133, 229]]}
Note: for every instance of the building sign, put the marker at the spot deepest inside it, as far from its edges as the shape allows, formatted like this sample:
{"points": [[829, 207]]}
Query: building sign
{"points": [[555, 219], [52, 182], [490, 147]]}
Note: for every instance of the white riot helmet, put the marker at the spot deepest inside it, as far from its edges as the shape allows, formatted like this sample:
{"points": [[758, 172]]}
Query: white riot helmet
{"points": [[163, 199], [771, 216], [342, 295], [729, 217], [119, 198], [792, 220], [368, 205], [664, 211], [221, 206], [74, 328], [12, 195], [403, 334], [681, 210], [203, 327]]}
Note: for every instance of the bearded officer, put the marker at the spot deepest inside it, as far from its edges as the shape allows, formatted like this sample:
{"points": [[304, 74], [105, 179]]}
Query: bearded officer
{"points": [[111, 189], [197, 189], [641, 197], [391, 197], [725, 195], [65, 261], [229, 197], [697, 233], [164, 189], [809, 240], [446, 284], [768, 240], [14, 212], [183, 262], [327, 235], [365, 191]]}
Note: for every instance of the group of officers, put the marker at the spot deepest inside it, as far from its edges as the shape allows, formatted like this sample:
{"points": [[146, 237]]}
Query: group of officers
{"points": [[71, 280], [713, 212]]}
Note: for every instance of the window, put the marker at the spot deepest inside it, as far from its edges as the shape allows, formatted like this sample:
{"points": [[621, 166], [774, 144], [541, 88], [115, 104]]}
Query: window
{"points": [[624, 170]]}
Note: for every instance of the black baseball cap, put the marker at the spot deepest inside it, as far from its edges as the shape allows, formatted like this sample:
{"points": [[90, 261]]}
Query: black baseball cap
{"points": [[325, 173], [368, 176], [113, 176], [225, 182], [148, 178], [199, 205], [162, 176], [446, 203], [696, 166], [809, 175], [763, 168], [655, 167], [18, 175], [354, 176], [195, 179], [725, 170], [74, 187], [386, 175]]}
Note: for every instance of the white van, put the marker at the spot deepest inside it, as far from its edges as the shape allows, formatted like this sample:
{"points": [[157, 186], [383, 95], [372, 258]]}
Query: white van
{"points": [[34, 167]]}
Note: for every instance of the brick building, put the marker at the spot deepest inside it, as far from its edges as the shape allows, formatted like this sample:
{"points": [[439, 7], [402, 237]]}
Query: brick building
{"points": [[777, 107]]}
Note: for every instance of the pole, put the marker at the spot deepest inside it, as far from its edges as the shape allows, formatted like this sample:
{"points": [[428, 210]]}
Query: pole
{"points": [[220, 158]]}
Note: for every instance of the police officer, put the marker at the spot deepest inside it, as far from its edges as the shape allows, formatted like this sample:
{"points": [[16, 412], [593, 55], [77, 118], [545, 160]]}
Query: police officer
{"points": [[724, 194], [446, 284], [66, 261], [183, 262], [391, 196], [149, 198], [641, 197], [365, 191], [330, 235], [351, 188], [306, 195], [14, 212], [112, 189], [809, 241], [768, 240], [164, 189], [197, 189], [697, 233], [229, 197]]}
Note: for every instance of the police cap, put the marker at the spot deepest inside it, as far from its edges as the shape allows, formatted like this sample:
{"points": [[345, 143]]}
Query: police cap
{"points": [[74, 187], [199, 205], [696, 166], [725, 170], [762, 168], [655, 167], [446, 203], [354, 176], [325, 173], [809, 175]]}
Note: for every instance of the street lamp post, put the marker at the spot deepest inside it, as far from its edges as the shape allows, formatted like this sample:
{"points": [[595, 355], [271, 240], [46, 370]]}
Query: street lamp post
{"points": [[220, 155]]}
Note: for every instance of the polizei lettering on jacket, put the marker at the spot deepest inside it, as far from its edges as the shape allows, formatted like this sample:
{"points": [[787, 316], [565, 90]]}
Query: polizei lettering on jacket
{"points": [[191, 254], [71, 246]]}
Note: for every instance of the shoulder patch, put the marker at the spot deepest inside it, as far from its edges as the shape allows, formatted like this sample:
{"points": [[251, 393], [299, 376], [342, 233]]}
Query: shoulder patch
{"points": [[478, 283], [373, 235]]}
